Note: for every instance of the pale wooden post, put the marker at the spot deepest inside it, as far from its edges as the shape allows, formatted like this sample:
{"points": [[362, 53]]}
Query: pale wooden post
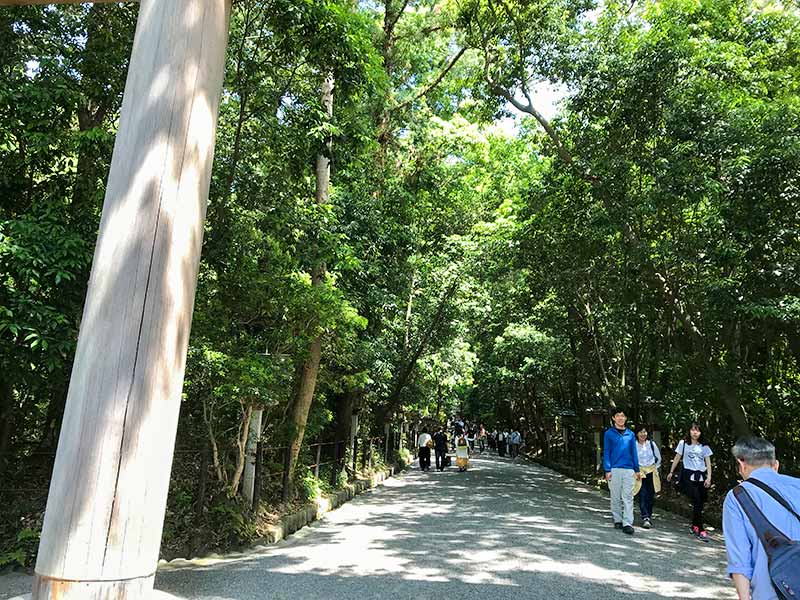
{"points": [[251, 455], [105, 511]]}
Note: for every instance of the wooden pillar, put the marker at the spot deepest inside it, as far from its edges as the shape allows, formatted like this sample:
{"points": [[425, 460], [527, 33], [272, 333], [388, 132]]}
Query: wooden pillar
{"points": [[254, 433], [598, 450], [105, 511], [353, 430]]}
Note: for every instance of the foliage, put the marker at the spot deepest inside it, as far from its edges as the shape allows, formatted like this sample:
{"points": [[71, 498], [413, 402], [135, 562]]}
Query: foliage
{"points": [[22, 551], [404, 458]]}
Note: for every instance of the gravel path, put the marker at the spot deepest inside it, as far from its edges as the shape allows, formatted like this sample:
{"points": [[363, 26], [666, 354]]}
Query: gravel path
{"points": [[499, 531]]}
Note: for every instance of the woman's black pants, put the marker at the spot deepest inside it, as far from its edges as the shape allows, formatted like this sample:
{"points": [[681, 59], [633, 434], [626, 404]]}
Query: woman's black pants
{"points": [[424, 458], [697, 494]]}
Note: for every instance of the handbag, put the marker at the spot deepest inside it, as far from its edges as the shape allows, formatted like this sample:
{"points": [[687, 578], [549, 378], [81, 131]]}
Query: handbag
{"points": [[783, 554]]}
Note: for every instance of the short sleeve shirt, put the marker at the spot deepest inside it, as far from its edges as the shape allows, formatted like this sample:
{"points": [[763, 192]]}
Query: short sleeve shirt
{"points": [[646, 456], [746, 554], [694, 455]]}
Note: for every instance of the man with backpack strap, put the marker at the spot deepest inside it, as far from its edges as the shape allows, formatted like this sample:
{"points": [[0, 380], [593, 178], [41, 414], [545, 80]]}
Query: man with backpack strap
{"points": [[761, 522]]}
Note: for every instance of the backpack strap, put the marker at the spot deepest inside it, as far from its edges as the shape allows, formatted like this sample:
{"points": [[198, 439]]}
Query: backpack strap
{"points": [[775, 495], [771, 538]]}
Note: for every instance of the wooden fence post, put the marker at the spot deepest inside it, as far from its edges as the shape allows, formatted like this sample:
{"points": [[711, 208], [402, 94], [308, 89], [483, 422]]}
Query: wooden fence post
{"points": [[102, 528], [364, 451], [319, 458], [258, 475], [335, 464], [287, 458]]}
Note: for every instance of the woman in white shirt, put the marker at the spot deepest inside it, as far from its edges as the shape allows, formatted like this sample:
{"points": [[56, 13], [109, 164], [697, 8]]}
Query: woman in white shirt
{"points": [[695, 476], [650, 483], [424, 443]]}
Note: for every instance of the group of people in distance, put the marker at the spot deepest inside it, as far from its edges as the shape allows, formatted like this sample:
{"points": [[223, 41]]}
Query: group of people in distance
{"points": [[438, 442], [505, 442], [465, 437], [761, 515]]}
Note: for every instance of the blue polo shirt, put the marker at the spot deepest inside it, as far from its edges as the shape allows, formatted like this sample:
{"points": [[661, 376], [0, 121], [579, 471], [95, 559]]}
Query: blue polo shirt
{"points": [[619, 450], [746, 554]]}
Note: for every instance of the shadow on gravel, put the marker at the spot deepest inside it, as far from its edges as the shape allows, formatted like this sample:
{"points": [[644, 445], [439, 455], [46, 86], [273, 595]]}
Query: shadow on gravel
{"points": [[500, 530]]}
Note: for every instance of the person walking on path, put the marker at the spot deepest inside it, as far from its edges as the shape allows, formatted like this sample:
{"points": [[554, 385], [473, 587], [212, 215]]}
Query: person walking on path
{"points": [[423, 442], [440, 448], [501, 443], [748, 564], [514, 440], [621, 466], [471, 439], [650, 483], [458, 431], [482, 439], [695, 478], [462, 453]]}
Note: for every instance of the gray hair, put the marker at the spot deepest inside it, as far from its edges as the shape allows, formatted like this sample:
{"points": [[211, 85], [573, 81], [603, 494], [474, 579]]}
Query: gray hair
{"points": [[754, 451]]}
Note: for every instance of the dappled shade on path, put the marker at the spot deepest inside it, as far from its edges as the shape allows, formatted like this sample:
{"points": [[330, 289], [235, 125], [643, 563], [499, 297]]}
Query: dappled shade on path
{"points": [[501, 530]]}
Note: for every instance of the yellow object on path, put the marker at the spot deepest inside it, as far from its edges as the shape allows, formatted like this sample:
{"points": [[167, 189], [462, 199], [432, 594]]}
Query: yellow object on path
{"points": [[462, 456]]}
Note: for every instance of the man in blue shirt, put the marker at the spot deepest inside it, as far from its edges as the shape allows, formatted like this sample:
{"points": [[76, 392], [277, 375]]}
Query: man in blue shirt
{"points": [[747, 559], [621, 465]]}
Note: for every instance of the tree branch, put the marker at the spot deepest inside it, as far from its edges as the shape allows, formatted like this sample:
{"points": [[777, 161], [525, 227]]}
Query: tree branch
{"points": [[388, 28], [436, 81], [531, 110]]}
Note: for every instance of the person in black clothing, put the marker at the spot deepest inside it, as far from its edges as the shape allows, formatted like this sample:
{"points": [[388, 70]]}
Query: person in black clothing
{"points": [[424, 443], [440, 447], [502, 442]]}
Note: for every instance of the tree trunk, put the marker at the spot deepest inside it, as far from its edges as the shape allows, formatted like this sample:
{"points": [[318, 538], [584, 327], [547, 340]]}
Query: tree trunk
{"points": [[55, 414], [6, 420], [407, 368], [728, 394], [536, 420], [310, 369], [573, 370], [241, 446], [409, 312], [345, 406]]}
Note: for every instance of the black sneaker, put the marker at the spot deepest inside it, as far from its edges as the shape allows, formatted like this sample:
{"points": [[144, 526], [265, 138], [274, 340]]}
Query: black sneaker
{"points": [[617, 525], [627, 529]]}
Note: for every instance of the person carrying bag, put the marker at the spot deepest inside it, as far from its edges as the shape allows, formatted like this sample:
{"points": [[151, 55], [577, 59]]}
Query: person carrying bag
{"points": [[783, 554]]}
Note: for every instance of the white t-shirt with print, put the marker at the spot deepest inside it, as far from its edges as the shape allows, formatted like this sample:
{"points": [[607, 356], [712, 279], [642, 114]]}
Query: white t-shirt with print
{"points": [[694, 455]]}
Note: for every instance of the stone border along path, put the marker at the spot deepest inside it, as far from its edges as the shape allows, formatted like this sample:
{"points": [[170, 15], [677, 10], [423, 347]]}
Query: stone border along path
{"points": [[500, 530], [16, 586]]}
